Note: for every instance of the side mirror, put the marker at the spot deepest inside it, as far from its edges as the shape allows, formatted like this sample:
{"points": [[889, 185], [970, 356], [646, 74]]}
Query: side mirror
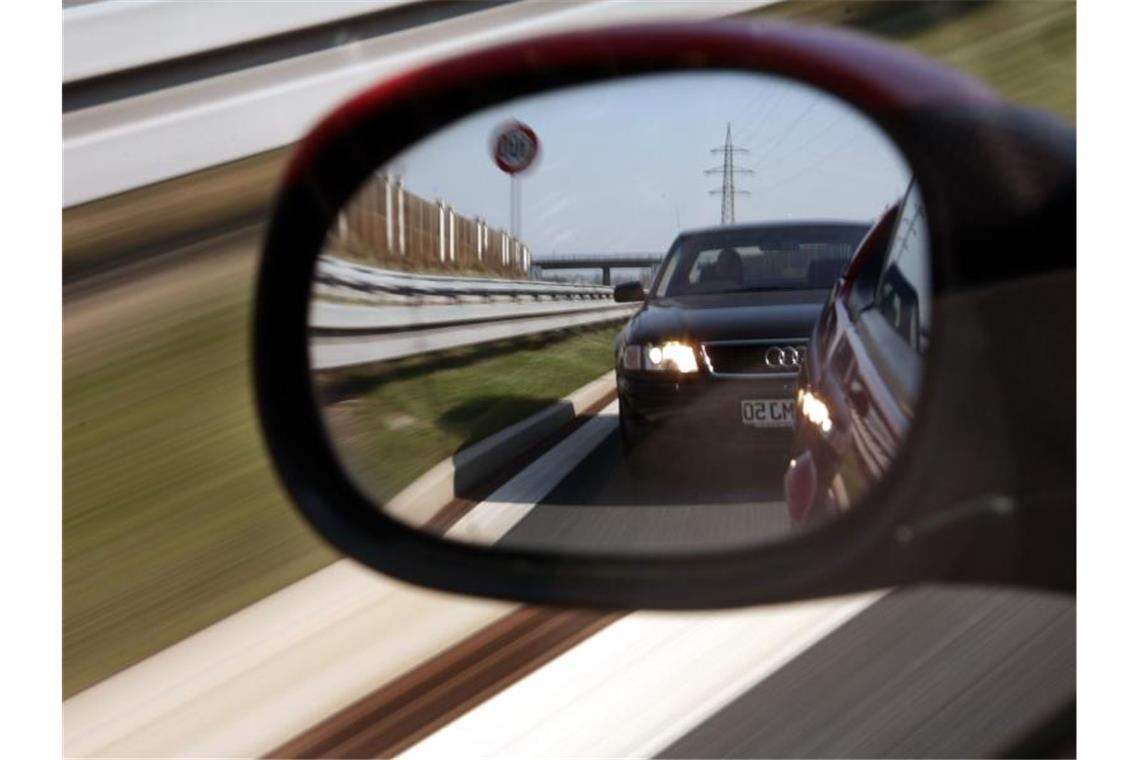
{"points": [[625, 292], [441, 413]]}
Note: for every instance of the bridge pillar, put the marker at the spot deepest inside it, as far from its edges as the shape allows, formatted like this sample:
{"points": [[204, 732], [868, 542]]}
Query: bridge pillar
{"points": [[605, 275]]}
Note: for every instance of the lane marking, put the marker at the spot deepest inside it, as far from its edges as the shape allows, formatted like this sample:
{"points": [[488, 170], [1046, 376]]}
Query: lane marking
{"points": [[502, 510], [637, 686]]}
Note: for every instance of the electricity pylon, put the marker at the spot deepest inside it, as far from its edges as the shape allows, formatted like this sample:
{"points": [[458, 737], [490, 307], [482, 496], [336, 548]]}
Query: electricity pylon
{"points": [[728, 190]]}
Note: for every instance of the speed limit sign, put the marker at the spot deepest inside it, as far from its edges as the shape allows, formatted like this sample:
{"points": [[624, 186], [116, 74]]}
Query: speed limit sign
{"points": [[514, 147]]}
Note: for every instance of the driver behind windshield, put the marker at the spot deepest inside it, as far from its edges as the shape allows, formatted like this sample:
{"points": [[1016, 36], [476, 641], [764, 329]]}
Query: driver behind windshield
{"points": [[773, 256], [727, 271]]}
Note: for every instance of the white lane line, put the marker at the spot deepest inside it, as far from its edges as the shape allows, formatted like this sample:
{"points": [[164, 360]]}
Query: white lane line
{"points": [[266, 674], [502, 510], [640, 684]]}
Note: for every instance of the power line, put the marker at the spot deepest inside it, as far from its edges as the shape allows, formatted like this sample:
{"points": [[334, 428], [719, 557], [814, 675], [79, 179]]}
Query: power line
{"points": [[728, 190], [819, 160], [770, 148]]}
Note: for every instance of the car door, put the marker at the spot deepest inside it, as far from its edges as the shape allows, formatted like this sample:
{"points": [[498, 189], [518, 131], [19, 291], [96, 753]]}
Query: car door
{"points": [[885, 342]]}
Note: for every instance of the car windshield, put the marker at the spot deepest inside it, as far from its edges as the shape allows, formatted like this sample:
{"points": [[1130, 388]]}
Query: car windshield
{"points": [[767, 257]]}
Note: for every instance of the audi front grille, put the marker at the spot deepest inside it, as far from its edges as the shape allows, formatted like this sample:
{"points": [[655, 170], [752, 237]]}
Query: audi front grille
{"points": [[754, 358]]}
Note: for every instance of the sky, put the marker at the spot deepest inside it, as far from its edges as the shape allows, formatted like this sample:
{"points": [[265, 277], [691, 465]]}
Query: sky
{"points": [[621, 165]]}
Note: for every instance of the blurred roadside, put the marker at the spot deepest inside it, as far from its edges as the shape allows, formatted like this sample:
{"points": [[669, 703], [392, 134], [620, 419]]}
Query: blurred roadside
{"points": [[172, 519]]}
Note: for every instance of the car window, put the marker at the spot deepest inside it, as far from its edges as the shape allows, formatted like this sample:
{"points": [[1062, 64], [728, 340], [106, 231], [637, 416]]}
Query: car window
{"points": [[669, 267], [774, 257], [903, 293]]}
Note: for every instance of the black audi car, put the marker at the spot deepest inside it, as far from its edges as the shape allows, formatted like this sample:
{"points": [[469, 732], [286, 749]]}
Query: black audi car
{"points": [[717, 345]]}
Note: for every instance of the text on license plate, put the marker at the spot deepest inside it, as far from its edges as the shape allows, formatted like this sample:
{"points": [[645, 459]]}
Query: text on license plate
{"points": [[767, 413]]}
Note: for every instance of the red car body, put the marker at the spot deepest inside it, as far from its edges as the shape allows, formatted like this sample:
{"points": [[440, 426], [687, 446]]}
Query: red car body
{"points": [[864, 372]]}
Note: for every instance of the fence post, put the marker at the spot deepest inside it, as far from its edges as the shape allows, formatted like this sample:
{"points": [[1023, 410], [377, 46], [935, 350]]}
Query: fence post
{"points": [[442, 236], [451, 234], [388, 215], [400, 213]]}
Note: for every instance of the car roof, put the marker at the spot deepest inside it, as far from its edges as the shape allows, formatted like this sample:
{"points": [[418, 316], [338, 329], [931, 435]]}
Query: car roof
{"points": [[774, 225]]}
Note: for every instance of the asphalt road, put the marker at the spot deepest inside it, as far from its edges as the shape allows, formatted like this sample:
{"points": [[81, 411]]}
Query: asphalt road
{"points": [[924, 672], [673, 493]]}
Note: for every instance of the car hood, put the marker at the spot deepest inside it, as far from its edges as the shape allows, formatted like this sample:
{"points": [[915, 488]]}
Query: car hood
{"points": [[728, 316]]}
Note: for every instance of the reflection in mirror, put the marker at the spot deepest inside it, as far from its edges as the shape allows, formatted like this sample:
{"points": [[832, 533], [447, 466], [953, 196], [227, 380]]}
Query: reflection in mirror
{"points": [[480, 378]]}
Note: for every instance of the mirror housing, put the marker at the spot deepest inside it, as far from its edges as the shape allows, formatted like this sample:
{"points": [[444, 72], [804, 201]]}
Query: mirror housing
{"points": [[985, 490], [629, 292]]}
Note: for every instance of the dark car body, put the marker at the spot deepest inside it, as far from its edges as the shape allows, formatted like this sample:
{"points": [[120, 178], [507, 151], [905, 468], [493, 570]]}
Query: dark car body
{"points": [[861, 372], [747, 334]]}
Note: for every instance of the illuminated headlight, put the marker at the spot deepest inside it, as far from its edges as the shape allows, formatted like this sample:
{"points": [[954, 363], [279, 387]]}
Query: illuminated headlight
{"points": [[665, 357], [671, 356], [815, 410]]}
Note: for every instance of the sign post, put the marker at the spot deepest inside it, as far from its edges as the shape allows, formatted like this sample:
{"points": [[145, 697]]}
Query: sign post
{"points": [[514, 146]]}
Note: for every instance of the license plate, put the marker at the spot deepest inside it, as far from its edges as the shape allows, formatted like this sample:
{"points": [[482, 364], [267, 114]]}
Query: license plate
{"points": [[767, 413]]}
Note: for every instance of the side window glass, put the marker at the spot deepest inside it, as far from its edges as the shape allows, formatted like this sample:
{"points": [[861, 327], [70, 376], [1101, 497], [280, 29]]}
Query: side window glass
{"points": [[903, 295], [662, 285]]}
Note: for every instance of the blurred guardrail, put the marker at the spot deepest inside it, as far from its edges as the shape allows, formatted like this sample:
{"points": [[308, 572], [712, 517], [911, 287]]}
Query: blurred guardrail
{"points": [[387, 284], [104, 38], [174, 127], [363, 315]]}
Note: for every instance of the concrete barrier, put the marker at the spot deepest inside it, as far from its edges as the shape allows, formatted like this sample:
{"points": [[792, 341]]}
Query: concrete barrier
{"points": [[436, 488]]}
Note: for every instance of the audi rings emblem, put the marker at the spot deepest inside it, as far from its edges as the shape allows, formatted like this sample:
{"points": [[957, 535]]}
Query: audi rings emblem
{"points": [[784, 357]]}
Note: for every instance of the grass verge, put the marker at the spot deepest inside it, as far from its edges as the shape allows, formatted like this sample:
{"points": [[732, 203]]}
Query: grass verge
{"points": [[390, 424], [1025, 49]]}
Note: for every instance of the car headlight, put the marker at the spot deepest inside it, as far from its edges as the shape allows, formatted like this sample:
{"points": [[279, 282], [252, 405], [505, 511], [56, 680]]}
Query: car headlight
{"points": [[671, 356], [815, 409]]}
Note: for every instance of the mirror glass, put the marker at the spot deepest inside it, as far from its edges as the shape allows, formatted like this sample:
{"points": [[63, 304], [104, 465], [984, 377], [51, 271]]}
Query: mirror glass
{"points": [[479, 379]]}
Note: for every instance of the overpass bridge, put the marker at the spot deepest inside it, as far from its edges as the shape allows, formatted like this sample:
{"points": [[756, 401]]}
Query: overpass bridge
{"points": [[604, 261]]}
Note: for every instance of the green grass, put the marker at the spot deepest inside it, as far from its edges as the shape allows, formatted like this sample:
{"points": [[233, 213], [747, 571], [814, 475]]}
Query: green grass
{"points": [[391, 424], [1025, 49], [172, 519]]}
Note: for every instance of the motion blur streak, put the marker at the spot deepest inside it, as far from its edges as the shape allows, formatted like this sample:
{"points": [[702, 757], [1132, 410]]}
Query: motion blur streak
{"points": [[643, 682], [411, 707], [918, 673], [173, 519], [264, 675], [127, 143], [103, 37]]}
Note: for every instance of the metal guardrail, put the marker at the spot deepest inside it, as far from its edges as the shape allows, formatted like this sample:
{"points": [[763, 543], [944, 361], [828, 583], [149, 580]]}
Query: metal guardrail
{"points": [[418, 313], [633, 259], [337, 318], [363, 280]]}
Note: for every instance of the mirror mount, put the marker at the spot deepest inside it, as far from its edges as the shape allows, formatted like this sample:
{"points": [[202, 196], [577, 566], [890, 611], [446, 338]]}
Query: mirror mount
{"points": [[924, 108]]}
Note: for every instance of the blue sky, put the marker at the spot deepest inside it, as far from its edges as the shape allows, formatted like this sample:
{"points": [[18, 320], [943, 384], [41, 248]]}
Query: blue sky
{"points": [[622, 163]]}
